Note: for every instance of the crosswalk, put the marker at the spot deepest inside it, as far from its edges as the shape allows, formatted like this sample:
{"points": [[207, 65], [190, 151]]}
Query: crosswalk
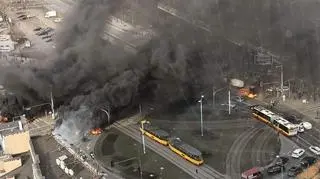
{"points": [[41, 126]]}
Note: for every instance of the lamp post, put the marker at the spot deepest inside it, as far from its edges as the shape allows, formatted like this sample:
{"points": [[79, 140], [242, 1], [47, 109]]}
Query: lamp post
{"points": [[201, 118], [107, 114], [278, 157], [161, 170], [142, 133], [281, 79]]}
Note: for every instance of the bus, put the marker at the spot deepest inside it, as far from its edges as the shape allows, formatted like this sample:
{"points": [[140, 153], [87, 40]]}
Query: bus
{"points": [[155, 133], [186, 151], [274, 120]]}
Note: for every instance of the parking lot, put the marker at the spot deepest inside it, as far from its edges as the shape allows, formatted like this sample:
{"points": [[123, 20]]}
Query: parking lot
{"points": [[48, 150]]}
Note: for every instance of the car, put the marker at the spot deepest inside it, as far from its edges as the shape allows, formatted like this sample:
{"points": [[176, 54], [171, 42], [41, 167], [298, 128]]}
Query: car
{"points": [[21, 16], [307, 125], [282, 161], [46, 37], [297, 153], [238, 99], [293, 119], [92, 155], [315, 149], [275, 169], [300, 128], [307, 161], [49, 40], [37, 29], [294, 171]]}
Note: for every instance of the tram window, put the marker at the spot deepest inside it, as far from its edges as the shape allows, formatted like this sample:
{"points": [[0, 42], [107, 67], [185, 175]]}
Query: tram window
{"points": [[283, 128]]}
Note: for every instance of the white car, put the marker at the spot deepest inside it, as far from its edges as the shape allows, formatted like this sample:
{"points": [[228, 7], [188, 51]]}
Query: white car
{"points": [[315, 150], [300, 128], [297, 153], [307, 125]]}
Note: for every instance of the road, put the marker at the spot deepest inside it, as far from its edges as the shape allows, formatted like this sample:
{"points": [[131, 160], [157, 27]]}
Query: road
{"points": [[235, 152], [202, 172]]}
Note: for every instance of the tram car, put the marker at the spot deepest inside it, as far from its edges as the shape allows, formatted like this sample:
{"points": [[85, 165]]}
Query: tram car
{"points": [[186, 151], [155, 133], [274, 120]]}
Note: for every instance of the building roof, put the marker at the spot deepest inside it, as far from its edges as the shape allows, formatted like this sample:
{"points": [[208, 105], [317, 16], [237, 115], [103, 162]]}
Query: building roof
{"points": [[178, 143], [9, 125]]}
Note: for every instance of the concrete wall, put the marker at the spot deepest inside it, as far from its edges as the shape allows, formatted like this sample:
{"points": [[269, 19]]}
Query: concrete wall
{"points": [[16, 143], [35, 163]]}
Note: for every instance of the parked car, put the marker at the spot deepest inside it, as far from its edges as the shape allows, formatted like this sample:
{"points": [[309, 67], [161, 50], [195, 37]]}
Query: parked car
{"points": [[46, 37], [297, 153], [315, 149], [37, 29], [275, 169], [238, 99], [21, 16], [294, 171], [307, 161], [282, 161], [49, 40]]}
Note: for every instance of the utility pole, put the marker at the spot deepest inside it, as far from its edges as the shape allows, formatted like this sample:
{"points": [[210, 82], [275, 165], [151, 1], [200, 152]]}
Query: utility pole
{"points": [[281, 67], [52, 106], [229, 101], [143, 141], [201, 118]]}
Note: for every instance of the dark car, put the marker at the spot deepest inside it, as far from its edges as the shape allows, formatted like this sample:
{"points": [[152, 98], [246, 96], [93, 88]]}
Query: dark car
{"points": [[46, 37], [49, 40], [293, 119], [275, 169], [307, 161], [282, 161], [23, 15], [294, 171], [37, 29]]}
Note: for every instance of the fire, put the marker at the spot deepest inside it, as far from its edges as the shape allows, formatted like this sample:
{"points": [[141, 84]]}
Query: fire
{"points": [[96, 131], [3, 119]]}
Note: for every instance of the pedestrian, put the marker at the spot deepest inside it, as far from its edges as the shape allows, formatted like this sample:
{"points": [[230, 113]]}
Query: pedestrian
{"points": [[197, 171]]}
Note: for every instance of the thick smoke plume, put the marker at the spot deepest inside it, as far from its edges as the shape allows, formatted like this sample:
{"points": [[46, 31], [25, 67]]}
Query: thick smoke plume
{"points": [[86, 73]]}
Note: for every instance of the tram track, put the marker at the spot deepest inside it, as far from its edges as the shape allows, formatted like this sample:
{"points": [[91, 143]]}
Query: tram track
{"points": [[198, 172], [234, 155], [258, 156]]}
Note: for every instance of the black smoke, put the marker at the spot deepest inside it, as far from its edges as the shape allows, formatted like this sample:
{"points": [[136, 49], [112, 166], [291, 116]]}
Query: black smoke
{"points": [[86, 73]]}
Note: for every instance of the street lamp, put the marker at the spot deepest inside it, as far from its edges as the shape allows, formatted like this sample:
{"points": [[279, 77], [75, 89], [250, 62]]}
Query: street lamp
{"points": [[161, 170], [107, 114], [142, 133], [278, 157], [201, 119], [281, 78]]}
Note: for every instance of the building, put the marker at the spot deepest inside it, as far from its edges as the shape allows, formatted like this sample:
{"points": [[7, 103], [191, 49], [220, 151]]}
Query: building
{"points": [[8, 164], [14, 139], [6, 44]]}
